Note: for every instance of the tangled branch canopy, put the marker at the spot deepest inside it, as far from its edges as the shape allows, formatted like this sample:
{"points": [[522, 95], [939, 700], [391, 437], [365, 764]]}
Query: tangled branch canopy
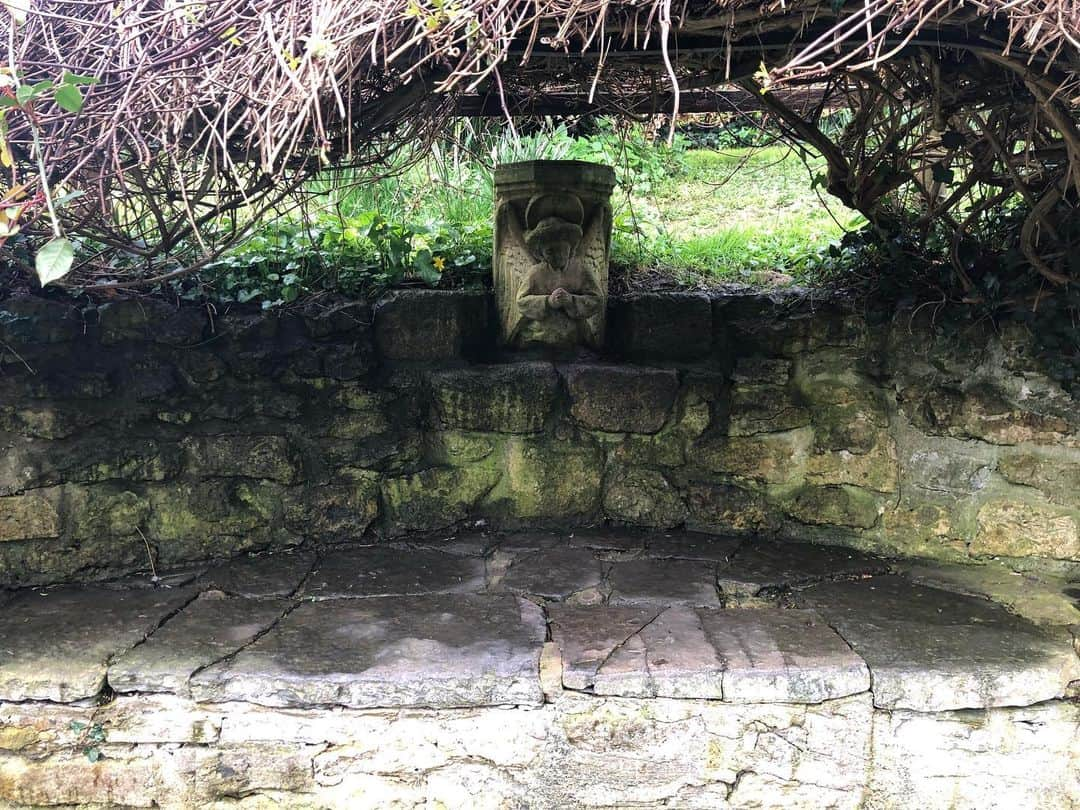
{"points": [[187, 119]]}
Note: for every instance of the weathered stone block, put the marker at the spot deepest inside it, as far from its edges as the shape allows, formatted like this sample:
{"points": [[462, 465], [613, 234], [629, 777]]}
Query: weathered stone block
{"points": [[29, 517], [134, 319], [209, 629], [431, 324], [334, 510], [260, 576], [983, 410], [621, 399], [551, 479], [771, 457], [1000, 758], [340, 320], [436, 497], [1056, 474], [28, 321], [643, 497], [758, 567], [833, 505], [573, 575], [185, 518], [929, 650], [106, 511], [727, 508], [661, 326], [448, 650], [764, 409], [1025, 527], [512, 398], [54, 645], [664, 582], [874, 469], [782, 656], [378, 571], [240, 456], [756, 370]]}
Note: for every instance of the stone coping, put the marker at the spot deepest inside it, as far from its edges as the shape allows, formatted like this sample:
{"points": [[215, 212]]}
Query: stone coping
{"points": [[465, 622]]}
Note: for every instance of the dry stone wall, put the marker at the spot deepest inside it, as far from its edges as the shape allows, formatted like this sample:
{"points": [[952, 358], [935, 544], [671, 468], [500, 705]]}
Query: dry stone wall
{"points": [[134, 431]]}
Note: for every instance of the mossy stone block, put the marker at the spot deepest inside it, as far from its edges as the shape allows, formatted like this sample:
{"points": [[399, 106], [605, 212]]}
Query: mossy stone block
{"points": [[240, 456], [643, 497], [770, 457], [511, 398], [661, 326], [833, 505], [435, 498], [552, 480], [29, 517], [727, 509], [621, 399], [424, 325]]}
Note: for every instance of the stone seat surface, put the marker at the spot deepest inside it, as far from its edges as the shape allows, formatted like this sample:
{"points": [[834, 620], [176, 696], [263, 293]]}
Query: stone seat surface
{"points": [[463, 621]]}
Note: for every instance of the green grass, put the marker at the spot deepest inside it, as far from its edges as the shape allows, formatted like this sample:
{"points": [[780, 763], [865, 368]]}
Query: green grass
{"points": [[736, 213]]}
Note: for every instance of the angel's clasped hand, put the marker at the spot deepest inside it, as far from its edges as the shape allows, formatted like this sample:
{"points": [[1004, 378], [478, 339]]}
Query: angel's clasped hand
{"points": [[558, 298]]}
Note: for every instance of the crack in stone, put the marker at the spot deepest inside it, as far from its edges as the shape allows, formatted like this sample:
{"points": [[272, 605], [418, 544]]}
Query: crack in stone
{"points": [[111, 659], [293, 605], [289, 608], [626, 641]]}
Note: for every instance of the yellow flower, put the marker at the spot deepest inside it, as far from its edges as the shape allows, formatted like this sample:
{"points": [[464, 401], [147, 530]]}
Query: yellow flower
{"points": [[439, 262]]}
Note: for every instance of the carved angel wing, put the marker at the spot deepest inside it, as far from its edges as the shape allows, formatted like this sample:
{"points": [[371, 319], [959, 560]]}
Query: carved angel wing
{"points": [[512, 261], [593, 250]]}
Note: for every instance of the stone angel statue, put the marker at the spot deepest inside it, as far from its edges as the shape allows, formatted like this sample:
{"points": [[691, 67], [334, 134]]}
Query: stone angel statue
{"points": [[553, 272]]}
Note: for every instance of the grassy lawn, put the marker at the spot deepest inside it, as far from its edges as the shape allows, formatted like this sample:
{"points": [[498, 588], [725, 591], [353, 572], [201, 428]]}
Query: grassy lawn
{"points": [[736, 213]]}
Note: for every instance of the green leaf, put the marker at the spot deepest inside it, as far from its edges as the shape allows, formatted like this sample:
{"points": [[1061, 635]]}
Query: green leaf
{"points": [[69, 97], [23, 93], [75, 78], [92, 754], [941, 173], [952, 139], [54, 260]]}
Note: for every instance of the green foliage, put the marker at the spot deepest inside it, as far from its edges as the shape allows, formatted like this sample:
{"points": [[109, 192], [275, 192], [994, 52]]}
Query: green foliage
{"points": [[91, 736]]}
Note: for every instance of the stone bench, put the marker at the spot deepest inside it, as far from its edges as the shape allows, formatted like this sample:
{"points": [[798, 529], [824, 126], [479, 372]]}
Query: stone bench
{"points": [[599, 669]]}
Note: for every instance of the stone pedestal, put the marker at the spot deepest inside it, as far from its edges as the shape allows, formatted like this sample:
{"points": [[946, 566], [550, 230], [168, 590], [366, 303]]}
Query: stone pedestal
{"points": [[552, 240]]}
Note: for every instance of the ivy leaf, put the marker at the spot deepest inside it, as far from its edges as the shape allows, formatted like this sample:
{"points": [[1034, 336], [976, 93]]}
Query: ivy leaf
{"points": [[952, 139], [69, 97], [54, 260], [425, 268], [75, 78], [942, 173]]}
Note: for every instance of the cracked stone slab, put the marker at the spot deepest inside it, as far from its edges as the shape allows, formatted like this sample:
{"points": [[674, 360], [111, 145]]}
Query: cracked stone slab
{"points": [[172, 578], [692, 546], [439, 651], [57, 646], [665, 582], [559, 574], [932, 650], [782, 656], [211, 628], [671, 657], [1043, 598], [525, 542], [588, 635], [762, 565], [613, 543], [467, 544], [383, 571], [263, 575]]}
